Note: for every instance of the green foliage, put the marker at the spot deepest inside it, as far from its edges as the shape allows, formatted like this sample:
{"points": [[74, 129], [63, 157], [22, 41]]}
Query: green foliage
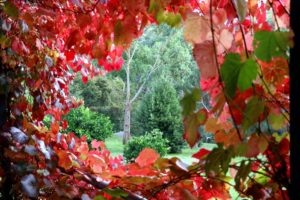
{"points": [[10, 9], [271, 44], [218, 160], [103, 95], [153, 140], [83, 121], [254, 108], [189, 101], [175, 64], [237, 74], [160, 109]]}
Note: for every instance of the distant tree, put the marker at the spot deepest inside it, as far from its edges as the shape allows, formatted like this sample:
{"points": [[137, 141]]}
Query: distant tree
{"points": [[161, 53], [103, 95], [82, 121], [160, 109]]}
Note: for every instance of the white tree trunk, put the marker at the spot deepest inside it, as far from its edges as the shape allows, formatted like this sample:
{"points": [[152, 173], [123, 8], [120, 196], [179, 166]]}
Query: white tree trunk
{"points": [[127, 121]]}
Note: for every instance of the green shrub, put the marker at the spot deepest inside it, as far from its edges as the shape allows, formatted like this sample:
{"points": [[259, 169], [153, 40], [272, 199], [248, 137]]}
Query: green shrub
{"points": [[83, 121], [153, 140], [160, 109]]}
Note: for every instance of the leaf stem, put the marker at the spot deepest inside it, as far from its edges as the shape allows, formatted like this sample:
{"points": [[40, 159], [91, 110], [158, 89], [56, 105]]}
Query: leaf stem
{"points": [[219, 73]]}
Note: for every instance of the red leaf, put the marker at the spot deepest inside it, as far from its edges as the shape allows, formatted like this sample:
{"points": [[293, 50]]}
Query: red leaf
{"points": [[204, 56], [64, 160], [191, 126], [55, 127], [147, 157], [84, 79], [96, 144], [69, 55], [201, 153], [284, 146]]}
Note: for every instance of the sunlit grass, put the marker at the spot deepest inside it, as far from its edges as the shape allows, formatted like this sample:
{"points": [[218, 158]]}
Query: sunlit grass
{"points": [[115, 145]]}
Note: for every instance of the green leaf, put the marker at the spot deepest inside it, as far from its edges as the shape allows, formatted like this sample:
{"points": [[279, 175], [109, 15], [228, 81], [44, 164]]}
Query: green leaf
{"points": [[11, 10], [237, 74], [271, 44], [116, 192], [188, 102], [277, 122], [248, 73], [219, 159], [252, 112], [169, 18], [242, 173], [99, 198], [241, 8]]}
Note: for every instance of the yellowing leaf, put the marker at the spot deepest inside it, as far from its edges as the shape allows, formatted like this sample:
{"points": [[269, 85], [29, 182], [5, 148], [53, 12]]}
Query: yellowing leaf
{"points": [[196, 28], [212, 125], [64, 159], [277, 122], [252, 112], [241, 8], [191, 126], [227, 139], [96, 163], [255, 145], [147, 157]]}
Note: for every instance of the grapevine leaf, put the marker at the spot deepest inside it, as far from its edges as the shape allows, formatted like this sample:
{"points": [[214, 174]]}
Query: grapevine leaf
{"points": [[188, 102], [218, 160], [29, 185], [247, 74], [205, 58], [237, 74], [284, 147], [241, 8], [201, 153], [64, 160], [99, 198], [169, 18], [271, 44], [18, 135], [242, 173], [196, 28], [191, 125], [227, 139], [147, 157], [252, 112], [277, 121], [255, 145], [11, 10], [116, 192]]}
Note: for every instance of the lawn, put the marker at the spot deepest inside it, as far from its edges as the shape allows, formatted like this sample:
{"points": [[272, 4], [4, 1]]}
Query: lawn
{"points": [[115, 145]]}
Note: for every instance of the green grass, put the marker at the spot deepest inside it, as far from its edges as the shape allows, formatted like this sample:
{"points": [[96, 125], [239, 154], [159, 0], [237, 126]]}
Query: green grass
{"points": [[115, 146]]}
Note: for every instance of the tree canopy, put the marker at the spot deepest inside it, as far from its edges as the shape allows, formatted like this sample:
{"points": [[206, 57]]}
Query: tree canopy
{"points": [[242, 52]]}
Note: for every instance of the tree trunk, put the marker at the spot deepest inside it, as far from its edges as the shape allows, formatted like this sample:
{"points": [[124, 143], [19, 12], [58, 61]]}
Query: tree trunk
{"points": [[127, 114]]}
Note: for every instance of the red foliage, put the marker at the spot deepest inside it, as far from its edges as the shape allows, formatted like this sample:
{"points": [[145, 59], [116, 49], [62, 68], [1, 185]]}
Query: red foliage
{"points": [[45, 43]]}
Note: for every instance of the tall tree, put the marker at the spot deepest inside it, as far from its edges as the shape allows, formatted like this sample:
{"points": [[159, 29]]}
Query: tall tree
{"points": [[104, 95], [160, 109], [128, 99]]}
